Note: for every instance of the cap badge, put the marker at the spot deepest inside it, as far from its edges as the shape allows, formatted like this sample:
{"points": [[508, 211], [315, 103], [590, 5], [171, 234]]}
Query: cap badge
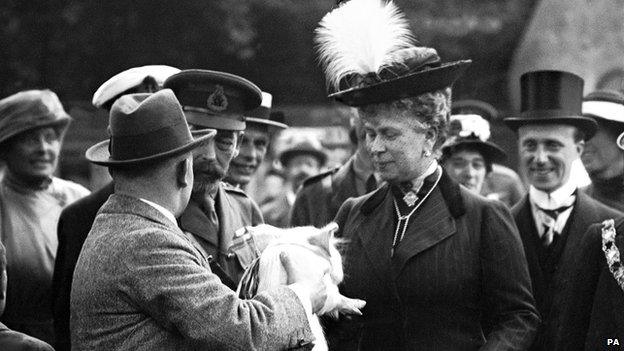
{"points": [[217, 101]]}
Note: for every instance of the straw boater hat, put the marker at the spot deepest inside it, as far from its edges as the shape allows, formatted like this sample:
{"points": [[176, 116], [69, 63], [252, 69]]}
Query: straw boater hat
{"points": [[607, 105], [262, 114], [145, 128], [29, 110], [212, 99], [128, 81], [552, 97], [369, 56]]}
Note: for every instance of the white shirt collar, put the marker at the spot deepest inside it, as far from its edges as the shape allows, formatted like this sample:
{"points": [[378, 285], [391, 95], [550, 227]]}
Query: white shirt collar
{"points": [[418, 182], [564, 196], [162, 210]]}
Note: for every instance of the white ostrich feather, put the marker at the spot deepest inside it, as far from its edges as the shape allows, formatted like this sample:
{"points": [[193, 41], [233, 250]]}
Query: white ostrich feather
{"points": [[361, 37], [472, 125]]}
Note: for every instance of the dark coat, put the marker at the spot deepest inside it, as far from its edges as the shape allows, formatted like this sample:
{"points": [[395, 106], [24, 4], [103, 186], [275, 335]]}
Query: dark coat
{"points": [[594, 300], [551, 277], [11, 340], [73, 226], [321, 196], [458, 273], [235, 210]]}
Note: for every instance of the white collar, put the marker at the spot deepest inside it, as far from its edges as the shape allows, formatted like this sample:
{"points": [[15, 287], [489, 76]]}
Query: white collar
{"points": [[563, 196], [418, 182], [162, 210]]}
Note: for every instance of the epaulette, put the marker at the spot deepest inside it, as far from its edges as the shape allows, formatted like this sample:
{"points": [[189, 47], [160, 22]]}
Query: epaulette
{"points": [[233, 189], [318, 177]]}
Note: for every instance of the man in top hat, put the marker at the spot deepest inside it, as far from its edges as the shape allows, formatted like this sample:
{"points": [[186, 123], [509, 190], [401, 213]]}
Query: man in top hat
{"points": [[139, 282], [76, 220], [501, 183], [32, 126], [300, 160], [217, 210], [554, 215], [441, 267], [321, 196], [254, 143], [602, 159]]}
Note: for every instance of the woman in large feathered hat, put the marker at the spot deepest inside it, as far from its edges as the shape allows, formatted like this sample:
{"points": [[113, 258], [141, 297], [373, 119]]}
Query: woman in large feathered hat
{"points": [[440, 268]]}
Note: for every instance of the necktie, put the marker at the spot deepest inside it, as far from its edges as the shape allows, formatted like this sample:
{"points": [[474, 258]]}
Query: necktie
{"points": [[549, 220], [371, 183]]}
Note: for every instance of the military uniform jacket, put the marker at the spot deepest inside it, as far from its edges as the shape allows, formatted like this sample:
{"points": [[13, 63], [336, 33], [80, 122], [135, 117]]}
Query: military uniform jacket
{"points": [[235, 210], [457, 281], [551, 268], [140, 284], [321, 196]]}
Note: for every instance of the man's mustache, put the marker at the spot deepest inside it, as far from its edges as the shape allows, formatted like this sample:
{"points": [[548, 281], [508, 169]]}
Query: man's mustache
{"points": [[208, 170]]}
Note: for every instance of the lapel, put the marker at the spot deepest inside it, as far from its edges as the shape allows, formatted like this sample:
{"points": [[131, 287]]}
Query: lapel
{"points": [[194, 221], [583, 215], [229, 218], [432, 223], [343, 185]]}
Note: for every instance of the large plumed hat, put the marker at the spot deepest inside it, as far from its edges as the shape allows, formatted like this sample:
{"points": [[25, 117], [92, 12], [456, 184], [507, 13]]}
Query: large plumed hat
{"points": [[213, 99], [31, 109], [552, 97], [262, 114], [605, 104], [145, 128], [369, 56], [125, 82]]}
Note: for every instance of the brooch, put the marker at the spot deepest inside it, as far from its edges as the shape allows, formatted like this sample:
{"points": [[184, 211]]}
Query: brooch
{"points": [[410, 198], [217, 101]]}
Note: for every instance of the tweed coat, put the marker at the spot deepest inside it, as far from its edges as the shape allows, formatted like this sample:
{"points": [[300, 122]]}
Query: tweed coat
{"points": [[321, 196], [234, 210], [594, 300], [74, 225], [139, 284], [458, 279], [552, 277]]}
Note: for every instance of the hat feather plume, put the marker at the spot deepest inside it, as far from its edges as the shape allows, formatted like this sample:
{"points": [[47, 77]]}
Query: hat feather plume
{"points": [[361, 37]]}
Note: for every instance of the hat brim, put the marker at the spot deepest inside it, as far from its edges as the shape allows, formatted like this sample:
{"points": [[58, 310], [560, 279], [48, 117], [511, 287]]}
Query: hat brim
{"points": [[62, 123], [410, 85], [267, 122], [490, 151], [586, 124], [288, 154], [99, 153]]}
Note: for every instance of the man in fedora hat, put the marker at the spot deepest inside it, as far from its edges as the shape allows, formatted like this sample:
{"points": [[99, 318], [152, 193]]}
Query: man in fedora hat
{"points": [[217, 210], [300, 160], [32, 126], [76, 219], [441, 267], [139, 282], [321, 196], [554, 215], [254, 143], [602, 158], [501, 183]]}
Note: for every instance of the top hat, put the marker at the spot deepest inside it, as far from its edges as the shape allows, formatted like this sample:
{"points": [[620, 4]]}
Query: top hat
{"points": [[308, 146], [262, 114], [31, 109], [605, 104], [552, 97], [145, 128], [472, 131], [124, 82], [212, 99]]}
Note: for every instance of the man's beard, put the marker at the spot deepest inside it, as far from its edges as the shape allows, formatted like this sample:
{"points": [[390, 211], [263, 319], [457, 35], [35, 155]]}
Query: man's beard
{"points": [[207, 175]]}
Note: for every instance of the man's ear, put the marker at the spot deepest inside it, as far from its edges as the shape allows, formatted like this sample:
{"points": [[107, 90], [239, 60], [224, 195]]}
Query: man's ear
{"points": [[184, 172], [580, 146]]}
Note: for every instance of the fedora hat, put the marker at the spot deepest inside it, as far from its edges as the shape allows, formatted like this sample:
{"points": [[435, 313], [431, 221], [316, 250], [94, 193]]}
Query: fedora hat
{"points": [[552, 97], [31, 109], [126, 82], [262, 114], [144, 128], [212, 99]]}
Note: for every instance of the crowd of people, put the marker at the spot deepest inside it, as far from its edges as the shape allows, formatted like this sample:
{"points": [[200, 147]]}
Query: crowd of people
{"points": [[449, 249]]}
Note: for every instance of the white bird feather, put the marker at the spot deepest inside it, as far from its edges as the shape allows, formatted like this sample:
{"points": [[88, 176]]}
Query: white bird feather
{"points": [[360, 37]]}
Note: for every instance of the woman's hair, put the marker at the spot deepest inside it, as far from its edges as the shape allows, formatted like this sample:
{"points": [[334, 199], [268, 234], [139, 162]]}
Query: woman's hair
{"points": [[432, 109]]}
